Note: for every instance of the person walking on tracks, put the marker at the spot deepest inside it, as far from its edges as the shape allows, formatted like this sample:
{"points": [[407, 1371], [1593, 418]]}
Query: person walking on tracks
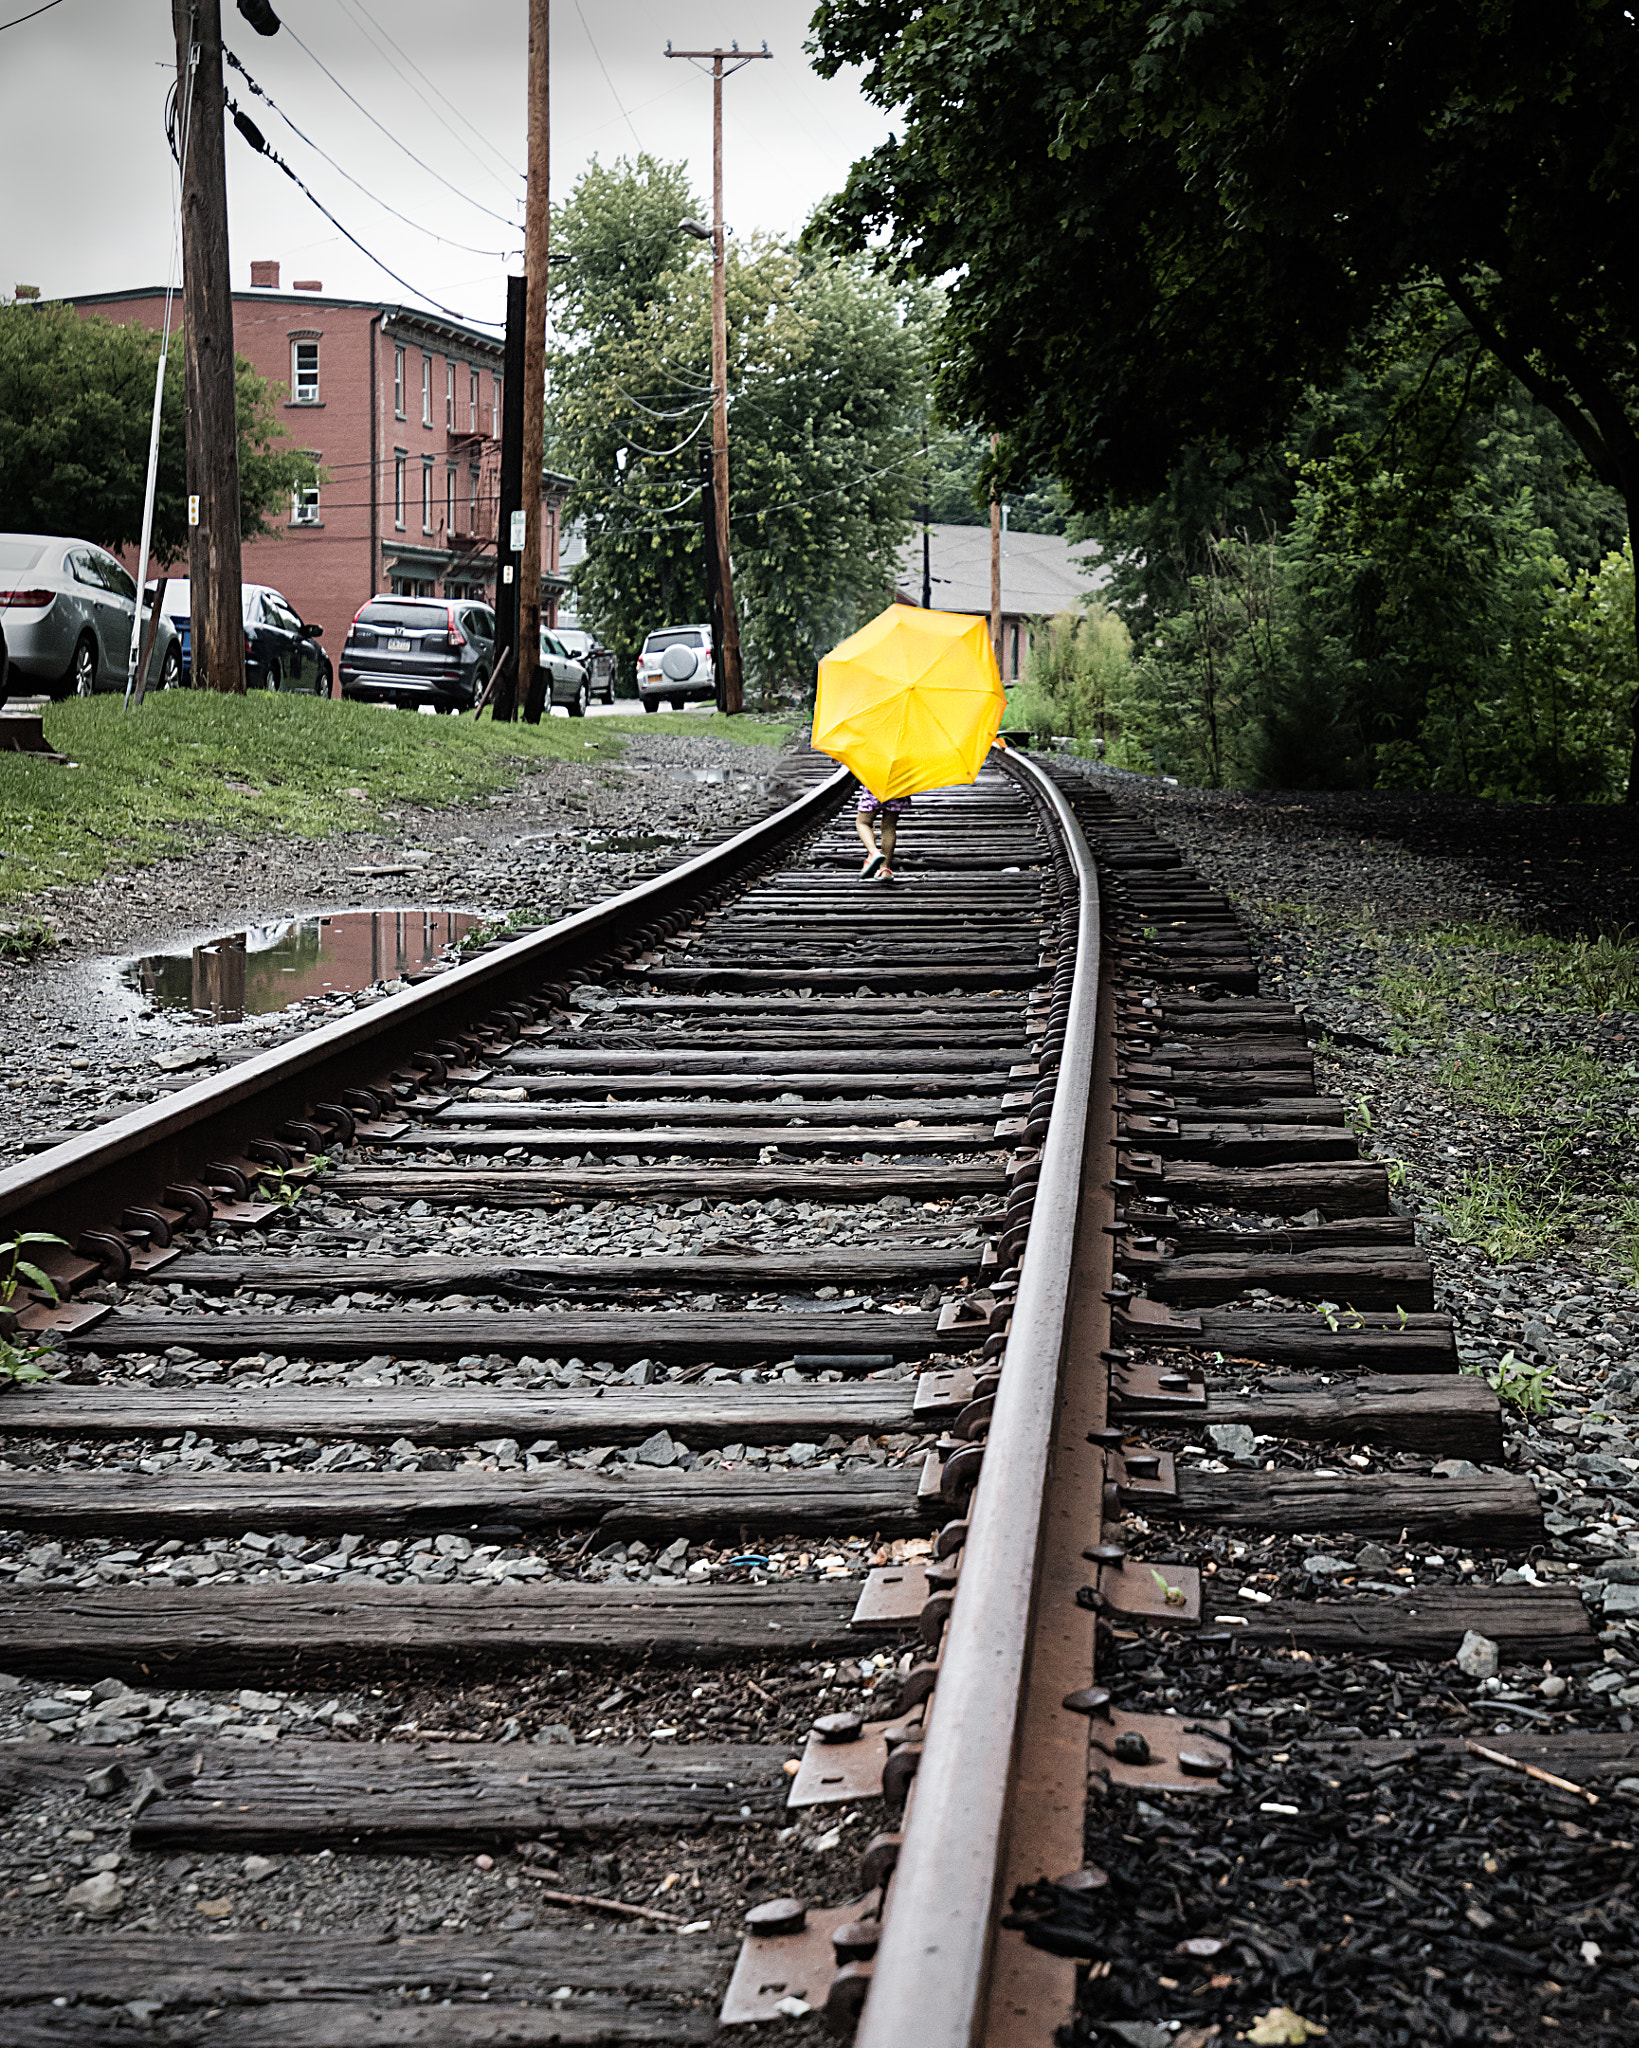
{"points": [[877, 820]]}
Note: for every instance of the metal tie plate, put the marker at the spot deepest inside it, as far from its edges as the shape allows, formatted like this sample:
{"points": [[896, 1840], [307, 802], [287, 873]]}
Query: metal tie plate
{"points": [[891, 1597], [774, 1968], [1138, 1591], [1181, 1751]]}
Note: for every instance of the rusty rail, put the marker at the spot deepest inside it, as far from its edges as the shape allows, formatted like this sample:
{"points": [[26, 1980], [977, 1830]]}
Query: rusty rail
{"points": [[82, 1184], [935, 1957]]}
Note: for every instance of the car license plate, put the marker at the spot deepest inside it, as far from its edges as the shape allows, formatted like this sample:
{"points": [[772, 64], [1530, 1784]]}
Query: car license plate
{"points": [[398, 646]]}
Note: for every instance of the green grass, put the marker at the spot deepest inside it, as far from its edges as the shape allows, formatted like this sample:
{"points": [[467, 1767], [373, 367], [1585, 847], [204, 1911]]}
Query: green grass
{"points": [[1487, 1072], [27, 937], [1510, 1214], [190, 767], [1502, 969]]}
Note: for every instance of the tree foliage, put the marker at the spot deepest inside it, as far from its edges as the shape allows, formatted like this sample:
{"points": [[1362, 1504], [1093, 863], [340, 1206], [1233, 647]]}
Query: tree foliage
{"points": [[76, 407], [1173, 220], [826, 391]]}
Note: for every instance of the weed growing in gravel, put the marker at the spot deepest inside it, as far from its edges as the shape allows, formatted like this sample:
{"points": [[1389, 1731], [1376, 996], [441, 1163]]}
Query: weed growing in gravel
{"points": [[1507, 1215], [1489, 1072], [20, 1364], [1516, 1382], [1509, 970], [1627, 1242], [26, 939], [507, 927]]}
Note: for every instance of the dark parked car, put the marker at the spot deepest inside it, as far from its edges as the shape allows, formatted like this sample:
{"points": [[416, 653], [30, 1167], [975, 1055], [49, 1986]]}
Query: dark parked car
{"points": [[414, 651], [597, 660], [281, 652]]}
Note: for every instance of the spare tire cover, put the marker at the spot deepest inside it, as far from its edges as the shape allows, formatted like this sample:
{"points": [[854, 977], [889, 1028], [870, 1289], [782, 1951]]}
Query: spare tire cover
{"points": [[678, 664]]}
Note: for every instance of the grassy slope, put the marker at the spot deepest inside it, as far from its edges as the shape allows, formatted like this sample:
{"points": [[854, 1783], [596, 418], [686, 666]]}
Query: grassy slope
{"points": [[190, 767]]}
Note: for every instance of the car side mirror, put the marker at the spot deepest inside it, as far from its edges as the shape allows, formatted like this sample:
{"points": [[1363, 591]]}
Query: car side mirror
{"points": [[313, 632]]}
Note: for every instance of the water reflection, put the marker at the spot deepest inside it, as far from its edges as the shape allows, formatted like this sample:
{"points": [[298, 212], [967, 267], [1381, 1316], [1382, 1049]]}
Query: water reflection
{"points": [[270, 966]]}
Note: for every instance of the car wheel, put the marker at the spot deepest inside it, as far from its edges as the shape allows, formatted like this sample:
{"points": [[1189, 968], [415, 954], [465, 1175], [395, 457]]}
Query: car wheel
{"points": [[170, 671], [273, 678], [83, 668], [651, 703], [576, 707]]}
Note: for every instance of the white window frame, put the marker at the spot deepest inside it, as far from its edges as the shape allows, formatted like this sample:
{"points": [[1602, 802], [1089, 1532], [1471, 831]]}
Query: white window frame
{"points": [[472, 502], [472, 400], [426, 389], [398, 381], [449, 394], [449, 497], [304, 506], [426, 494], [299, 396], [495, 405], [400, 462]]}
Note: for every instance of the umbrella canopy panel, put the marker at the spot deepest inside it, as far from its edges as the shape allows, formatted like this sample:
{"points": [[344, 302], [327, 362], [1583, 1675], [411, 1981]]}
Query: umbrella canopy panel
{"points": [[911, 702]]}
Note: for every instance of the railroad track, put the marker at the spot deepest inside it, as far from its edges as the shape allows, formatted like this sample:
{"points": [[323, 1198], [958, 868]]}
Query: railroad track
{"points": [[729, 1387]]}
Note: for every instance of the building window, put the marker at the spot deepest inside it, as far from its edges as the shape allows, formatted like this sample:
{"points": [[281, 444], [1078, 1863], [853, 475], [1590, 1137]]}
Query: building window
{"points": [[426, 494], [495, 408], [449, 395], [472, 401], [399, 459], [398, 383], [426, 390], [304, 372], [472, 502], [304, 506], [449, 495]]}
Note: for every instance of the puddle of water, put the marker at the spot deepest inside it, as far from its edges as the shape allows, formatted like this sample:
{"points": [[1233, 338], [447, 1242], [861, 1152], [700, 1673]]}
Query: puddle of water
{"points": [[270, 966]]}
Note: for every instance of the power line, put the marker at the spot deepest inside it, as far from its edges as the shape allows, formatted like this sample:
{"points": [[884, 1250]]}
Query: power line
{"points": [[258, 142], [21, 18], [608, 81], [501, 255], [432, 107], [392, 138]]}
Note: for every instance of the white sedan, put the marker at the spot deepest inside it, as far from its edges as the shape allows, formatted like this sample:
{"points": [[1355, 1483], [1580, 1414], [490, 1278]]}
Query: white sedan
{"points": [[67, 607]]}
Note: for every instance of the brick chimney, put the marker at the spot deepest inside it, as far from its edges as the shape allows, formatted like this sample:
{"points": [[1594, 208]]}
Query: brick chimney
{"points": [[306, 284], [264, 277]]}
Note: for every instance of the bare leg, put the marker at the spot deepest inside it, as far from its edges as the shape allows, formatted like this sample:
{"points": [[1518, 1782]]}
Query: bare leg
{"points": [[888, 829], [863, 823]]}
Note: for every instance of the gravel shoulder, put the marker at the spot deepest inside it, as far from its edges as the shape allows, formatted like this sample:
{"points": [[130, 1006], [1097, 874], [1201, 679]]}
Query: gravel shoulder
{"points": [[77, 1046], [1448, 957]]}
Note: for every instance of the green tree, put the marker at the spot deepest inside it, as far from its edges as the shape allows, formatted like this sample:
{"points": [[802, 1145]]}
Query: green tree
{"points": [[1171, 219], [826, 379], [76, 406]]}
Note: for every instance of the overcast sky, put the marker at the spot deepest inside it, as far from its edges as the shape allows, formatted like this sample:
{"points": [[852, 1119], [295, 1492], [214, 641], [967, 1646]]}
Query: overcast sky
{"points": [[86, 171]]}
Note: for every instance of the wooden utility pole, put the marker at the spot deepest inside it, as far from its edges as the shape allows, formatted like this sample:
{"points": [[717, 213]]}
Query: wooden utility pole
{"points": [[537, 233], [995, 566], [504, 700], [207, 350], [731, 690]]}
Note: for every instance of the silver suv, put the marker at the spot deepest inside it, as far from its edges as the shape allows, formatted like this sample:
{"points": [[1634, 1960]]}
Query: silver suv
{"points": [[676, 667]]}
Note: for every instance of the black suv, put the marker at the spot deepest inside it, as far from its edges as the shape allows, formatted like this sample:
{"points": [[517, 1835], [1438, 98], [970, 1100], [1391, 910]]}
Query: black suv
{"points": [[412, 651]]}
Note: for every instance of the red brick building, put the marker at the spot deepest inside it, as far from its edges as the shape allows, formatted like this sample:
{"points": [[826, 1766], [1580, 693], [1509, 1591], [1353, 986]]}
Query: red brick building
{"points": [[402, 409]]}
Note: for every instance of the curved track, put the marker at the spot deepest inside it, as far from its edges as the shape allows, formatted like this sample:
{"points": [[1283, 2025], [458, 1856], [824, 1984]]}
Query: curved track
{"points": [[725, 1298]]}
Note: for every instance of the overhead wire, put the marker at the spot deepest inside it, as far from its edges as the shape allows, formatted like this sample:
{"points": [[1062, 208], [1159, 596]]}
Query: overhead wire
{"points": [[501, 255], [392, 138], [18, 20], [500, 157], [431, 105], [258, 142], [608, 81]]}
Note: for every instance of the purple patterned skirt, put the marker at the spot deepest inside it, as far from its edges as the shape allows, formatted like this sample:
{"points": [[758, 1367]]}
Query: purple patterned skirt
{"points": [[889, 807]]}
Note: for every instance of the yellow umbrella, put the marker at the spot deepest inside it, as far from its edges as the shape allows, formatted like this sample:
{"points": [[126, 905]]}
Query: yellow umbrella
{"points": [[910, 702]]}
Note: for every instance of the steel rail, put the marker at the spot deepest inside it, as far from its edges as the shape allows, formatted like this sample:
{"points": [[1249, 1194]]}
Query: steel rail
{"points": [[934, 1959], [88, 1182]]}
